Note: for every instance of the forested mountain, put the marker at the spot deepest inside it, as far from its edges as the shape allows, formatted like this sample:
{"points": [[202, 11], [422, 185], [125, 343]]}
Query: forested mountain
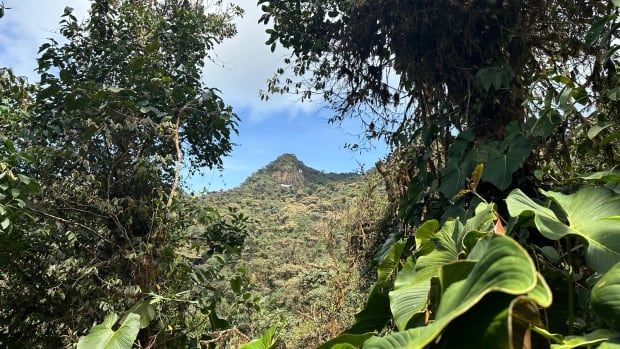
{"points": [[298, 253], [288, 172]]}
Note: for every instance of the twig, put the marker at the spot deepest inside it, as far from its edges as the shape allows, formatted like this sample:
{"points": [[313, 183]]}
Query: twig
{"points": [[225, 333], [66, 221]]}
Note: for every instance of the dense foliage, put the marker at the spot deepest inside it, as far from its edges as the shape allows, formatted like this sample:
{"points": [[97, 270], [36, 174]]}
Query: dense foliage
{"points": [[93, 221], [299, 253], [503, 120]]}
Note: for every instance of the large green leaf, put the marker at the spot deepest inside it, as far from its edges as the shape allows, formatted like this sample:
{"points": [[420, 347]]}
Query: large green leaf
{"points": [[502, 160], [408, 298], [501, 321], [453, 179], [375, 315], [460, 165], [447, 247], [483, 218], [387, 267], [410, 294], [102, 336], [505, 267], [145, 310], [423, 236], [606, 295], [541, 294], [592, 214], [611, 176]]}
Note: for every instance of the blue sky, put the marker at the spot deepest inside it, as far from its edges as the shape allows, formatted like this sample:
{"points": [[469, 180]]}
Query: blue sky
{"points": [[240, 70]]}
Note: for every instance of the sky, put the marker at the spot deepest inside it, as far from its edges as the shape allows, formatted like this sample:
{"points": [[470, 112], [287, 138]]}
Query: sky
{"points": [[241, 67]]}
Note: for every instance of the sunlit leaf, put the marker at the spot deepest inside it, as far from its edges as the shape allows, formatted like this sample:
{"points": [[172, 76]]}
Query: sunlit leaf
{"points": [[606, 295], [590, 214], [504, 267], [269, 340], [102, 336]]}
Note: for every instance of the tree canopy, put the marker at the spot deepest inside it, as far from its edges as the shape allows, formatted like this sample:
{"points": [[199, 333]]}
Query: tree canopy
{"points": [[120, 107]]}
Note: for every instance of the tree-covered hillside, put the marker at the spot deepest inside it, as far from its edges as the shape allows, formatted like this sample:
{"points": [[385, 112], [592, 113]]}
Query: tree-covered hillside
{"points": [[298, 256]]}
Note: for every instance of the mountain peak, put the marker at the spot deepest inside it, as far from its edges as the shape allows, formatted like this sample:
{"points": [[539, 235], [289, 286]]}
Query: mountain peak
{"points": [[286, 163], [288, 171]]}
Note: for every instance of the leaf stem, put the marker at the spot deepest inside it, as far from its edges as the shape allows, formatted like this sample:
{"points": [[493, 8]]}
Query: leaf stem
{"points": [[571, 288]]}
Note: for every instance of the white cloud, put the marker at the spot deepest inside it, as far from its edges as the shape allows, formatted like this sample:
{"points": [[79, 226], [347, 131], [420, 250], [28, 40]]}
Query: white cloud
{"points": [[243, 63], [28, 24], [243, 66]]}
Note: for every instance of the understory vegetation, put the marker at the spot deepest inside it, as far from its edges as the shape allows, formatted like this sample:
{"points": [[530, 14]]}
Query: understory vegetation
{"points": [[494, 222]]}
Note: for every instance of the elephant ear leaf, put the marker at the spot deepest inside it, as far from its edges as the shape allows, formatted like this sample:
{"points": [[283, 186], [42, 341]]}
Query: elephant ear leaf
{"points": [[606, 295], [102, 336], [506, 268], [592, 214], [501, 166]]}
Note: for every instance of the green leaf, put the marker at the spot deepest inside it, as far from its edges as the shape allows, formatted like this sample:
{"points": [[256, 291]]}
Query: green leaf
{"points": [[5, 224], [483, 219], [423, 236], [541, 294], [376, 312], [476, 176], [596, 31], [389, 263], [501, 320], [611, 176], [453, 180], [103, 337], [596, 129], [456, 271], [409, 296], [590, 214], [145, 310], [217, 323], [268, 340], [115, 89], [606, 295], [506, 268], [448, 246], [550, 253], [24, 179], [612, 343], [375, 315], [501, 165], [587, 340], [236, 283], [545, 125]]}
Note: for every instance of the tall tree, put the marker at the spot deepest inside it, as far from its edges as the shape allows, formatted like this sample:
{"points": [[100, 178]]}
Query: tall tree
{"points": [[419, 73], [477, 98], [120, 108]]}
